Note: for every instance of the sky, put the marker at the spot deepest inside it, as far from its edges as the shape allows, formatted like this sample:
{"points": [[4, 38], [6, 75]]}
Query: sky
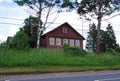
{"points": [[12, 18]]}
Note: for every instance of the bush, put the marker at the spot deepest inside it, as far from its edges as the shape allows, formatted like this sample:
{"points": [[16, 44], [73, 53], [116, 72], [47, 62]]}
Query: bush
{"points": [[117, 49], [74, 51], [19, 41], [111, 51]]}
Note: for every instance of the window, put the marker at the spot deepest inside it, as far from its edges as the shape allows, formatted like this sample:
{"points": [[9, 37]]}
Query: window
{"points": [[77, 43], [51, 41], [58, 41], [65, 41], [64, 30], [71, 42]]}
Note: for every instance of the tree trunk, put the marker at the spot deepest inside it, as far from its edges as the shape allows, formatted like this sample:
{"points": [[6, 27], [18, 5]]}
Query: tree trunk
{"points": [[39, 26], [38, 38], [98, 27], [98, 36]]}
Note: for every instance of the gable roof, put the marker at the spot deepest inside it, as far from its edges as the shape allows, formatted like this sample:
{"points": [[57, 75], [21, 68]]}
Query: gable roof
{"points": [[62, 26], [9, 39]]}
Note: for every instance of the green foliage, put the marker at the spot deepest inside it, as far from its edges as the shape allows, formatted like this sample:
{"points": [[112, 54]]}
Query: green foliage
{"points": [[111, 40], [91, 39], [111, 51], [117, 49], [103, 40], [88, 6], [95, 8], [3, 45], [43, 9], [36, 2], [107, 39], [67, 3], [30, 29], [114, 52], [74, 51], [19, 41], [36, 58]]}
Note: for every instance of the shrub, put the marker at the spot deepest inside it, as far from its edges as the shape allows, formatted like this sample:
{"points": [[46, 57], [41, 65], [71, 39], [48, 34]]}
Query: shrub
{"points": [[19, 41], [74, 51], [117, 49], [112, 51]]}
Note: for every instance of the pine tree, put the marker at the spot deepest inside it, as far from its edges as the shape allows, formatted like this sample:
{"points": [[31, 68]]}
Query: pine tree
{"points": [[91, 39], [107, 39], [98, 8], [111, 40], [103, 40]]}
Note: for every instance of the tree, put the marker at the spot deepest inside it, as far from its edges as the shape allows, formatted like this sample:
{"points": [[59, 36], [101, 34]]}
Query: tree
{"points": [[19, 41], [98, 8], [103, 40], [91, 39], [111, 40], [43, 7], [107, 39], [30, 29]]}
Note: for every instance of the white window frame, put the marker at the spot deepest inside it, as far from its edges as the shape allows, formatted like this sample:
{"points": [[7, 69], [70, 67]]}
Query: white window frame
{"points": [[64, 29], [71, 42], [77, 43], [58, 41], [52, 41], [65, 41]]}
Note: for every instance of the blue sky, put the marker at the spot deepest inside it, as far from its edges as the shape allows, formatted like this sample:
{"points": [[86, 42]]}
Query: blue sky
{"points": [[9, 9]]}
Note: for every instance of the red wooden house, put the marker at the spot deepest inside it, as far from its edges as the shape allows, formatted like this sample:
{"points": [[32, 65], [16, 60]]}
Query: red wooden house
{"points": [[63, 34]]}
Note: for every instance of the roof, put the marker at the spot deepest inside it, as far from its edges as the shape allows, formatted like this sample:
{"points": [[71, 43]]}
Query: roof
{"points": [[9, 39], [61, 26]]}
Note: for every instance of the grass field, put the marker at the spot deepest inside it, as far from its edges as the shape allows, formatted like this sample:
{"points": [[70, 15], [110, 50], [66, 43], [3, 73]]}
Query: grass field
{"points": [[46, 60]]}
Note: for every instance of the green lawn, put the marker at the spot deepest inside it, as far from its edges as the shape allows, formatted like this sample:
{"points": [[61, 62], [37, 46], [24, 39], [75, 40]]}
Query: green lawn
{"points": [[46, 60]]}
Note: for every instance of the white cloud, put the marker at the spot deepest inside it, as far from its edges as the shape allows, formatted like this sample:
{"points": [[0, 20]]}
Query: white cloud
{"points": [[13, 30], [79, 1], [2, 38], [8, 1]]}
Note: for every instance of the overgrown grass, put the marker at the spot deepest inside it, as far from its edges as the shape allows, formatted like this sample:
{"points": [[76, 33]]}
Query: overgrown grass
{"points": [[35, 58], [46, 60]]}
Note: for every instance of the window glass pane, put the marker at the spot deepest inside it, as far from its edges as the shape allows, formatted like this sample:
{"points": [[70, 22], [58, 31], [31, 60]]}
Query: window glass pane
{"points": [[58, 41], [51, 41], [65, 41], [77, 43], [64, 30], [71, 42]]}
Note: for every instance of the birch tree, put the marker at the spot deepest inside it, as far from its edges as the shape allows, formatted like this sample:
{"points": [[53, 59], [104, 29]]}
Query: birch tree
{"points": [[43, 8]]}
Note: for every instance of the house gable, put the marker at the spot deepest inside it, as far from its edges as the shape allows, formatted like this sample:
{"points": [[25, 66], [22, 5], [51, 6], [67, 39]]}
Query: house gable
{"points": [[65, 30], [64, 33]]}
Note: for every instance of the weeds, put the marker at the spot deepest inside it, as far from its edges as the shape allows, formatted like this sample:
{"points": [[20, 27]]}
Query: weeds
{"points": [[35, 58]]}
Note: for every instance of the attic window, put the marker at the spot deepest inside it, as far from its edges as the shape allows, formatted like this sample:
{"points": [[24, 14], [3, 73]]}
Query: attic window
{"points": [[64, 30]]}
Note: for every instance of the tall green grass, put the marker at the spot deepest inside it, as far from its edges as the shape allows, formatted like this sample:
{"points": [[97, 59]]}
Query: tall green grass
{"points": [[35, 58]]}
